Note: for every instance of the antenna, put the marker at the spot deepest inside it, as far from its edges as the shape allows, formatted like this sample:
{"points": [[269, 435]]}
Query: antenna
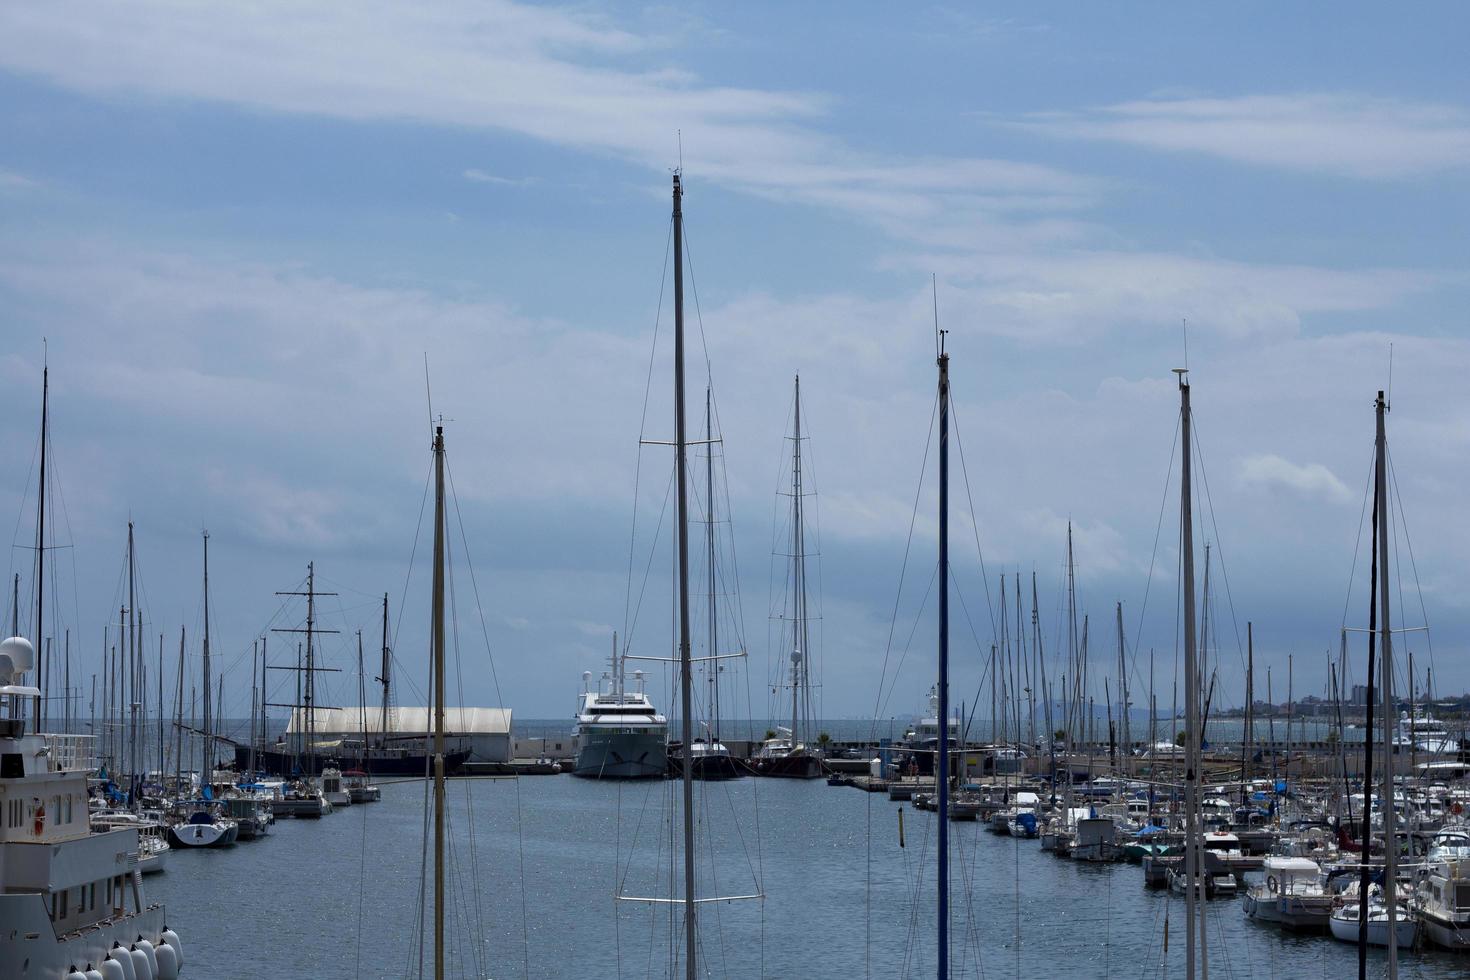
{"points": [[679, 134], [1184, 329], [428, 393], [1389, 401], [938, 334]]}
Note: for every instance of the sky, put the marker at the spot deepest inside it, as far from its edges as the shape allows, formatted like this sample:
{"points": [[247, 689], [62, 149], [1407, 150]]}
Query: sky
{"points": [[239, 234]]}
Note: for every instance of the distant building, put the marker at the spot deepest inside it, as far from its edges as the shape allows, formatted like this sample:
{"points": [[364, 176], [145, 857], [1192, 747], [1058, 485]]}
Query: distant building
{"points": [[484, 731], [1360, 694]]}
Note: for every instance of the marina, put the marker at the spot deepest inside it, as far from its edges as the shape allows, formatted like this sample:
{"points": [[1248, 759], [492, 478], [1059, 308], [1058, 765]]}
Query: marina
{"points": [[512, 490]]}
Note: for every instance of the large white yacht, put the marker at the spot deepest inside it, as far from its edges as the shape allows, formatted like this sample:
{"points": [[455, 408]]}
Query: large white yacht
{"points": [[1423, 733], [71, 900], [619, 733]]}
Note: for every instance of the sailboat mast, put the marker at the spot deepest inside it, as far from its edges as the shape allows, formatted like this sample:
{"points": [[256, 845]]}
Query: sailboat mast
{"points": [[383, 677], [799, 644], [1191, 686], [714, 634], [1390, 841], [362, 698], [682, 522], [310, 697], [208, 765], [132, 665], [942, 759], [39, 712], [438, 667], [1123, 691]]}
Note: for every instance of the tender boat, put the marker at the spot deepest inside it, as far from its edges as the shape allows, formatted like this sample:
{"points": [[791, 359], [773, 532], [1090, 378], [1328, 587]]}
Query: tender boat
{"points": [[1345, 924], [1290, 894]]}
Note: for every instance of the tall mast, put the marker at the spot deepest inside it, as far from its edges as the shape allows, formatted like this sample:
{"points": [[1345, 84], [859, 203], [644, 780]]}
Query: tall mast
{"points": [[160, 710], [362, 698], [1250, 697], [1191, 686], [799, 651], [179, 716], [714, 634], [1051, 740], [682, 522], [310, 697], [1390, 842], [1364, 876], [254, 700], [383, 676], [1123, 690], [39, 712], [942, 759], [131, 686], [437, 655], [208, 745]]}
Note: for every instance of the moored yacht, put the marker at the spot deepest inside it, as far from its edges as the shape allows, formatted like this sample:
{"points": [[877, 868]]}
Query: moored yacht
{"points": [[1443, 905], [70, 899], [1423, 733], [619, 733]]}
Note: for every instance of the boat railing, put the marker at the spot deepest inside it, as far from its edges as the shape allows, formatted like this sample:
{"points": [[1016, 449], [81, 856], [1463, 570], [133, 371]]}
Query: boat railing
{"points": [[70, 753]]}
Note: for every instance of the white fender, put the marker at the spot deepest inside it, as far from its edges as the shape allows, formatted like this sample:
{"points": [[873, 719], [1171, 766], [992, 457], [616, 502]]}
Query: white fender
{"points": [[111, 969], [142, 969], [172, 938], [168, 962], [149, 952], [92, 973], [124, 960], [76, 974]]}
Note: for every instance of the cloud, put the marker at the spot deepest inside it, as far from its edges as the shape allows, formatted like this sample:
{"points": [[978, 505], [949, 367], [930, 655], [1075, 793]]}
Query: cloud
{"points": [[1340, 134], [560, 76], [1269, 471], [1077, 294], [485, 177], [14, 182]]}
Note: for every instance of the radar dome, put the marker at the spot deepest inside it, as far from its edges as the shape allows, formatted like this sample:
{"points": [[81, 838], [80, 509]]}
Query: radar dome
{"points": [[16, 656]]}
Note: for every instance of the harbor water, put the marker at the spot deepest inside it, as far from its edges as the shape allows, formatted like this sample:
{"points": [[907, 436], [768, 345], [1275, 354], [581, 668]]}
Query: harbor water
{"points": [[537, 862]]}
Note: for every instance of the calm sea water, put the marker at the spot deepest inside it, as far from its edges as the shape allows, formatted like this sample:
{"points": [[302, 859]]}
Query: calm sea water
{"points": [[537, 862]]}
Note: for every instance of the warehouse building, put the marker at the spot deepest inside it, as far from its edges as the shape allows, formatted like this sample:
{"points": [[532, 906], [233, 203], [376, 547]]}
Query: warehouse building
{"points": [[485, 732]]}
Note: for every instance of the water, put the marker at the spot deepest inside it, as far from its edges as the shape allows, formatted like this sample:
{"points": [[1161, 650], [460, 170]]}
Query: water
{"points": [[337, 898]]}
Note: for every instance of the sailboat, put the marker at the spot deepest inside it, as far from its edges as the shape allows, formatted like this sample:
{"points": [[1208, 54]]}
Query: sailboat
{"points": [[201, 822], [785, 752], [708, 756], [690, 901]]}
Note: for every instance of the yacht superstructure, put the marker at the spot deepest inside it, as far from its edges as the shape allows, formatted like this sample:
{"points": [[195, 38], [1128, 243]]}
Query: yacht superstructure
{"points": [[70, 899]]}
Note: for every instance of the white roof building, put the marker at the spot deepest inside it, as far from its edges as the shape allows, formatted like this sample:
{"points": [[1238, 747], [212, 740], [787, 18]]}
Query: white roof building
{"points": [[484, 731]]}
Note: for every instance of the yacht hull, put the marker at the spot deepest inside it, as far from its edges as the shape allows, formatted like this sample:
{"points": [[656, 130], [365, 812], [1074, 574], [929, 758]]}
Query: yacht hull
{"points": [[203, 834], [288, 764], [1446, 934], [46, 955], [621, 756], [1346, 929], [789, 767]]}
